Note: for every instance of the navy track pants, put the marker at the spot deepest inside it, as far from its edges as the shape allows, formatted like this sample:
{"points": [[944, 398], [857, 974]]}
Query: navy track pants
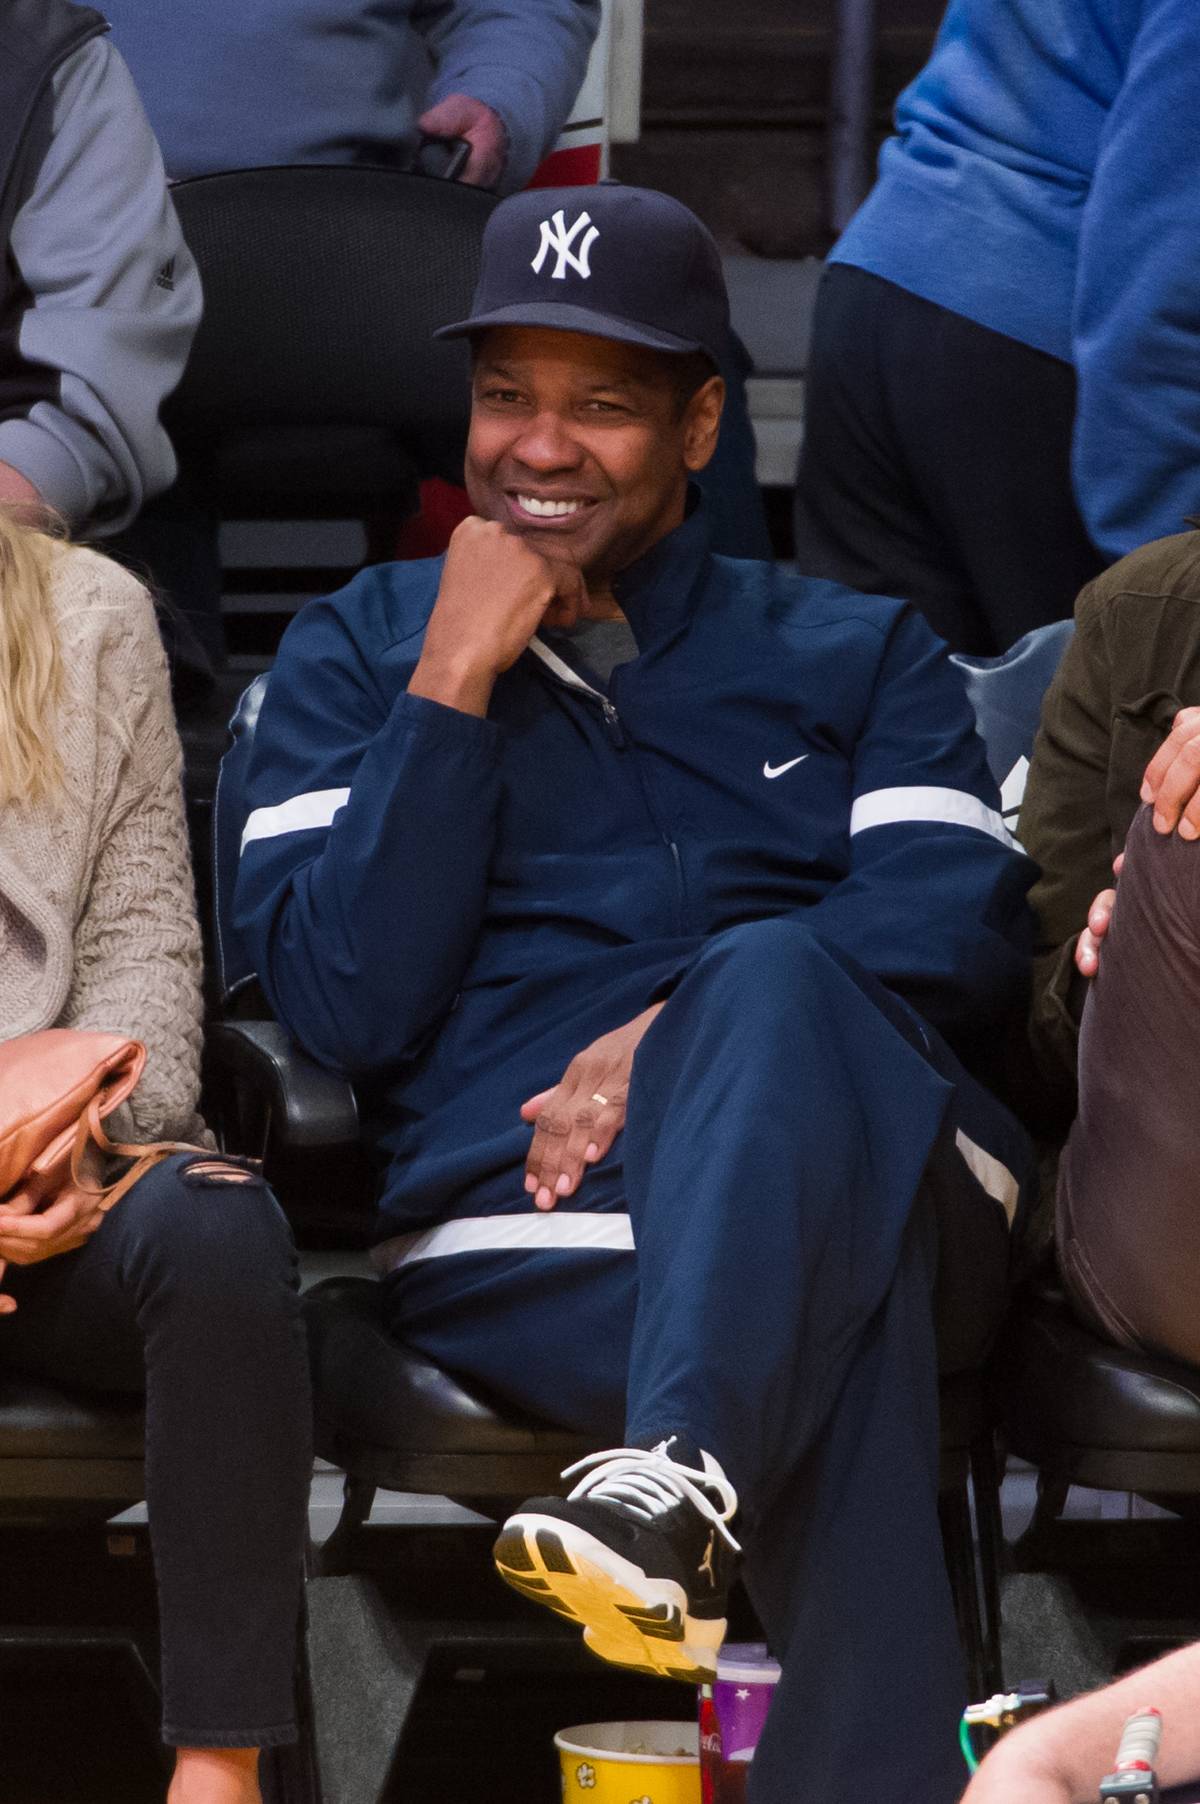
{"points": [[799, 1151]]}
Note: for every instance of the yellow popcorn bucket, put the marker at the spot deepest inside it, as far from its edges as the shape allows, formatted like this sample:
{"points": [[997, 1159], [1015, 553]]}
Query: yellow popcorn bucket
{"points": [[630, 1763]]}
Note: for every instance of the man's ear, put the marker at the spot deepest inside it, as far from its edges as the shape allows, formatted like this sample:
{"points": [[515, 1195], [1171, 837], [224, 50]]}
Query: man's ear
{"points": [[702, 422]]}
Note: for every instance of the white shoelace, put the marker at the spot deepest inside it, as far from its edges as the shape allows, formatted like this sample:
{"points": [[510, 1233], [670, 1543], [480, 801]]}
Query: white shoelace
{"points": [[650, 1482]]}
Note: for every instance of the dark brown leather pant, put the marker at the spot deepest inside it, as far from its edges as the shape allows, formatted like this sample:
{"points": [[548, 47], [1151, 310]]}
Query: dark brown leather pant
{"points": [[1129, 1185]]}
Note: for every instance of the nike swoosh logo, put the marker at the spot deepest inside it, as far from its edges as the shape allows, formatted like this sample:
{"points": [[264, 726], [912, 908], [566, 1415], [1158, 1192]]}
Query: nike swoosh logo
{"points": [[778, 769]]}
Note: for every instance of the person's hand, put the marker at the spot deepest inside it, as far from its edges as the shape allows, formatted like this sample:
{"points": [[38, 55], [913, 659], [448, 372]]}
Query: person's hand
{"points": [[576, 1122], [495, 592], [1172, 779], [27, 1238], [18, 496], [459, 116], [1087, 946], [25, 1206]]}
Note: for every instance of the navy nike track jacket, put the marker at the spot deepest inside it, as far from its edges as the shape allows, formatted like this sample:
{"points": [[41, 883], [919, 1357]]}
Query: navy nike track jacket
{"points": [[448, 909]]}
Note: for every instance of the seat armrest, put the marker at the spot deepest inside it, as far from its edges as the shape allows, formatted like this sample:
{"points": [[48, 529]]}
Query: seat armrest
{"points": [[308, 1106]]}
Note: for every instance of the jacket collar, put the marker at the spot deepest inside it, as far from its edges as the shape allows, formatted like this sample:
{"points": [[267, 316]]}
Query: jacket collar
{"points": [[657, 593]]}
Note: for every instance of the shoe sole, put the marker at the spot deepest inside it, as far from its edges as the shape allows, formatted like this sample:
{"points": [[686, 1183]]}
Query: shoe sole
{"points": [[628, 1617]]}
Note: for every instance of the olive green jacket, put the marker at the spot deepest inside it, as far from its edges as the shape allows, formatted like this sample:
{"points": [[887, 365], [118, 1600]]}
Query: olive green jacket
{"points": [[1133, 662]]}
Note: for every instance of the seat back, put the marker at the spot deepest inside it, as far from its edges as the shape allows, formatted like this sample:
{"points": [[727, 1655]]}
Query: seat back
{"points": [[322, 289], [1006, 693], [234, 967]]}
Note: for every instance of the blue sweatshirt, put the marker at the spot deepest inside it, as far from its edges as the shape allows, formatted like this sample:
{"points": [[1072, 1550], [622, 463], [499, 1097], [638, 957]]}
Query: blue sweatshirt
{"points": [[1044, 181], [451, 908], [236, 84]]}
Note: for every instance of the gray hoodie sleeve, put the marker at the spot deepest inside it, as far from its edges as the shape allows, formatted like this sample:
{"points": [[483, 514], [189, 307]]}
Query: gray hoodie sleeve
{"points": [[526, 59], [114, 300]]}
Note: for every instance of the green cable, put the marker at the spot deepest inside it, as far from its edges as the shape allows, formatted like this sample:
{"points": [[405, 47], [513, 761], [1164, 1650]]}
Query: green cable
{"points": [[964, 1742]]}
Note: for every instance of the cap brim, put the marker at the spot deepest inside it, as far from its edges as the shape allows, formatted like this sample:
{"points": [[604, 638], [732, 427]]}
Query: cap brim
{"points": [[561, 317]]}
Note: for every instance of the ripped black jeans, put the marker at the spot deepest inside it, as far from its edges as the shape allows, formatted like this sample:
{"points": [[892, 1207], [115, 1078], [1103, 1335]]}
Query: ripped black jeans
{"points": [[188, 1292]]}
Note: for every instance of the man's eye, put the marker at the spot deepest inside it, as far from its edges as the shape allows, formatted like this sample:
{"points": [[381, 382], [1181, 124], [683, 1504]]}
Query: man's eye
{"points": [[502, 396], [597, 406]]}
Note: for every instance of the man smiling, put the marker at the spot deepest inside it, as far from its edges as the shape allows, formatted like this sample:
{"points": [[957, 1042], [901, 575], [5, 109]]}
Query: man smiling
{"points": [[647, 891]]}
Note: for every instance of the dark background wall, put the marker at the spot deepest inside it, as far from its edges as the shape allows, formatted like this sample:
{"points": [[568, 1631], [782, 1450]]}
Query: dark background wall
{"points": [[735, 111]]}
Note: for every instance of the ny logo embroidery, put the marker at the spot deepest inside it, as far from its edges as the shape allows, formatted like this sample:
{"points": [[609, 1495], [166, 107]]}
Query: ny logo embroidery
{"points": [[555, 237]]}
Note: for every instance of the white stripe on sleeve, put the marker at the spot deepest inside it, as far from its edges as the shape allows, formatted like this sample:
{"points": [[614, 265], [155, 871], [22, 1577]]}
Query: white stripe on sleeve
{"points": [[559, 1230], [316, 808], [922, 802]]}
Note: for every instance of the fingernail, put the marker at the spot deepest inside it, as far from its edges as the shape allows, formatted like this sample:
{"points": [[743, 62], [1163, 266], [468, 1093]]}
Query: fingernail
{"points": [[593, 1151], [1186, 829], [563, 1184], [531, 1185], [1146, 793], [1161, 823], [543, 1199]]}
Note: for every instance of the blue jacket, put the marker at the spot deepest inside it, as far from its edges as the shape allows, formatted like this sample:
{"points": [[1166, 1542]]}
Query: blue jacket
{"points": [[235, 84], [1044, 181], [453, 907]]}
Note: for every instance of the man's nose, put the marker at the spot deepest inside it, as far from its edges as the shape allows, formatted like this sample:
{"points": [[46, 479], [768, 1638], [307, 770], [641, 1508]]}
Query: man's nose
{"points": [[547, 444]]}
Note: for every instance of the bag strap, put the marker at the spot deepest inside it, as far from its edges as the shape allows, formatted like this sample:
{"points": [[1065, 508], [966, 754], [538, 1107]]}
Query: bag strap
{"points": [[145, 1158]]}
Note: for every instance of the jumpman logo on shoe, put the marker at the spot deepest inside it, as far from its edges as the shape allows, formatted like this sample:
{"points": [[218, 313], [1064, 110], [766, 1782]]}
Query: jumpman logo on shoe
{"points": [[706, 1568]]}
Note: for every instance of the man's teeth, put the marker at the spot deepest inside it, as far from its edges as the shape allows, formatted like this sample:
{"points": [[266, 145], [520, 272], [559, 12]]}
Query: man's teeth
{"points": [[548, 510]]}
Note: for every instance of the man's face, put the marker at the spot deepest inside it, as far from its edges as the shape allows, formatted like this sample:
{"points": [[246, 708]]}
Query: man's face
{"points": [[580, 445]]}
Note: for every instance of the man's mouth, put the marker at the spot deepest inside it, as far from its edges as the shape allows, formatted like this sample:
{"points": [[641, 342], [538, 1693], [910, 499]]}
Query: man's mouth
{"points": [[544, 507]]}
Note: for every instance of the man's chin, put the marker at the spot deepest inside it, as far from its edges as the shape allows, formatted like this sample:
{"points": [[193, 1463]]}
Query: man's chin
{"points": [[565, 545]]}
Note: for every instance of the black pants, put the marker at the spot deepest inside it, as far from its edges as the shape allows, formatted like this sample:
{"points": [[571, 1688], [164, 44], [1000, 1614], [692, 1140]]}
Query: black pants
{"points": [[188, 1290], [937, 465]]}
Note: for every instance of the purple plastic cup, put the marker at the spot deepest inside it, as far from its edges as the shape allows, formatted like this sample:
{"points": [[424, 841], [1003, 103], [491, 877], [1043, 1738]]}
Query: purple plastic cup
{"points": [[732, 1721]]}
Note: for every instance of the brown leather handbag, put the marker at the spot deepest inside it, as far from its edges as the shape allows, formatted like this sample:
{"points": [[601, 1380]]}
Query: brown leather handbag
{"points": [[55, 1089]]}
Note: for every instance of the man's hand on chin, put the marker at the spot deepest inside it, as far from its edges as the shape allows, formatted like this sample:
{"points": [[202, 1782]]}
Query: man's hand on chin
{"points": [[576, 1122], [495, 593]]}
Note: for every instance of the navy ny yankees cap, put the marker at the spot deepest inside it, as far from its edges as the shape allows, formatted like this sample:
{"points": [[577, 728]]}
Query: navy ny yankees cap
{"points": [[612, 261]]}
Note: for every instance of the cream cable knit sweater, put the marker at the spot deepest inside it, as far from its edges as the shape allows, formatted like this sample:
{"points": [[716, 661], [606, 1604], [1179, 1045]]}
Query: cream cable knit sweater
{"points": [[97, 913]]}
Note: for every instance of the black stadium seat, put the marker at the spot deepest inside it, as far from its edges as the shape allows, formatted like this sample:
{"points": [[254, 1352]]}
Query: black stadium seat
{"points": [[314, 387]]}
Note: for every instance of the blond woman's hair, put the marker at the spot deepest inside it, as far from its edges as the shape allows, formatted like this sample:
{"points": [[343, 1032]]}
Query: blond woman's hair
{"points": [[31, 672]]}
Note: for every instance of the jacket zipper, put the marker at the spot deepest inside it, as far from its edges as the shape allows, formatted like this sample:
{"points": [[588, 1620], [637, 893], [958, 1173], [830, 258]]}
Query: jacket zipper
{"points": [[570, 679], [612, 721]]}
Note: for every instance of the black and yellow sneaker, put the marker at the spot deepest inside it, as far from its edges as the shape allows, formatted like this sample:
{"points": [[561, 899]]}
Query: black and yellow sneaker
{"points": [[639, 1553]]}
